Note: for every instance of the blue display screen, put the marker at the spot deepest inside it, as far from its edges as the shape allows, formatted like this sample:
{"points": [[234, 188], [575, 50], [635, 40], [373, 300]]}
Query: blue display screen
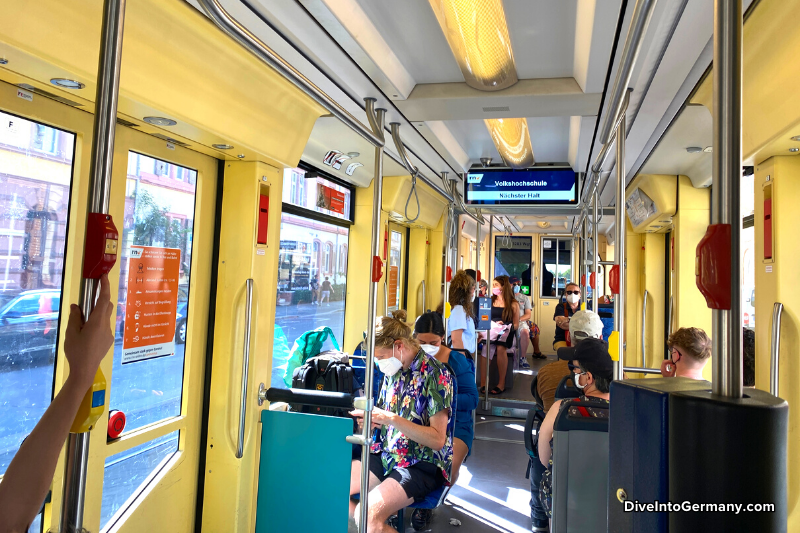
{"points": [[521, 187], [98, 398]]}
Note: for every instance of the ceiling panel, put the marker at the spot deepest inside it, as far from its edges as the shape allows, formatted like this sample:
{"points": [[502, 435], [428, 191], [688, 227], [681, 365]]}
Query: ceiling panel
{"points": [[542, 37], [412, 32], [549, 138], [474, 138]]}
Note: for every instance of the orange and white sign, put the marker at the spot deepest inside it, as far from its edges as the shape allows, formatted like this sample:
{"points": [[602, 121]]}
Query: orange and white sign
{"points": [[152, 303], [393, 278]]}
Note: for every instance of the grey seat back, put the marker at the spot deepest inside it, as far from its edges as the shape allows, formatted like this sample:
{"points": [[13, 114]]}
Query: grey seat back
{"points": [[580, 469]]}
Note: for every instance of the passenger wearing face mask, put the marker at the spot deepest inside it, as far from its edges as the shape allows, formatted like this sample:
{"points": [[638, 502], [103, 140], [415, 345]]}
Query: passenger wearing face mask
{"points": [[413, 448], [690, 350], [460, 325], [429, 331], [593, 373], [564, 312], [505, 312]]}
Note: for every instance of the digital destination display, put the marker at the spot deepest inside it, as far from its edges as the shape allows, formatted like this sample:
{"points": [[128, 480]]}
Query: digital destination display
{"points": [[521, 187]]}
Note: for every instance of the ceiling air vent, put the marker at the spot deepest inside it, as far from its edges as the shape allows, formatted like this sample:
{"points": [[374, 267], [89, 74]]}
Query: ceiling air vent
{"points": [[123, 122], [46, 94], [170, 139], [496, 109]]}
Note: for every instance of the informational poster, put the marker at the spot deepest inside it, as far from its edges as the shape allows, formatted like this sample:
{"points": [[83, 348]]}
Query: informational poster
{"points": [[393, 275], [152, 303], [330, 199]]}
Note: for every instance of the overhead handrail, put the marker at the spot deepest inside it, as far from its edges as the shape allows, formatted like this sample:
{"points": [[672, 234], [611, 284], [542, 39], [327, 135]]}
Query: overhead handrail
{"points": [[248, 315], [775, 349], [258, 48], [642, 370], [640, 18], [413, 170], [644, 325]]}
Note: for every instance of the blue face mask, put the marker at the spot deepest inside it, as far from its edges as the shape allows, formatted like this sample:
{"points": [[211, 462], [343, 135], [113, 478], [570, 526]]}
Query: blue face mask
{"points": [[516, 289]]}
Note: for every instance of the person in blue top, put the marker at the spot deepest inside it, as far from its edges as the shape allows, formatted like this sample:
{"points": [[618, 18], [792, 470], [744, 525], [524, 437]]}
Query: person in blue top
{"points": [[429, 332], [460, 325]]}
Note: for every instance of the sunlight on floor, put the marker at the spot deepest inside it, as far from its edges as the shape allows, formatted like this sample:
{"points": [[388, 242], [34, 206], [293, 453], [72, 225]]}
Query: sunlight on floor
{"points": [[518, 427], [490, 519], [513, 501]]}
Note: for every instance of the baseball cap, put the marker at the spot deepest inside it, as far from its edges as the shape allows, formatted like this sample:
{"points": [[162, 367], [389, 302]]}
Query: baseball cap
{"points": [[593, 356], [513, 279], [585, 325]]}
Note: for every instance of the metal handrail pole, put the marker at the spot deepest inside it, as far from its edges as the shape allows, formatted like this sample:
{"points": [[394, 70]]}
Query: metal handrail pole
{"points": [[775, 350], [644, 325], [376, 119], [619, 246], [248, 319], [102, 159], [642, 370], [596, 251], [640, 19], [726, 324]]}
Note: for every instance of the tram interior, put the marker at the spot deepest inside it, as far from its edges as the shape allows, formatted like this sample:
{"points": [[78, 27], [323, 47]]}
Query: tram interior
{"points": [[246, 148]]}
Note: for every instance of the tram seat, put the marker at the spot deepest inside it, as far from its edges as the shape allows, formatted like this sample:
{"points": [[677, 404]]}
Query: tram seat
{"points": [[566, 390], [535, 392], [580, 468]]}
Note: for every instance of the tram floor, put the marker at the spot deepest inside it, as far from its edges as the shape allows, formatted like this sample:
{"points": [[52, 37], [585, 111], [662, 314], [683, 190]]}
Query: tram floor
{"points": [[491, 494]]}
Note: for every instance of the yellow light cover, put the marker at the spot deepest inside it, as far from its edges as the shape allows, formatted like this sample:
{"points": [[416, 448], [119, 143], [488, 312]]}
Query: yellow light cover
{"points": [[512, 140], [477, 33]]}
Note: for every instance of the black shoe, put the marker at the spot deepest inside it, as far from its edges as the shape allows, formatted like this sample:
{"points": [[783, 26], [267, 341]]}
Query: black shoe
{"points": [[420, 518], [393, 523]]}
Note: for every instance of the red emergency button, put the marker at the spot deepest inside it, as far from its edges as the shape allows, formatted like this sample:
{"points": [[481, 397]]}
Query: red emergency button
{"points": [[116, 424]]}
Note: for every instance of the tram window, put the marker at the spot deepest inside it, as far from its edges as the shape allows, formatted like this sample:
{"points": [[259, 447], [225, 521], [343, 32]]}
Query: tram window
{"points": [[312, 284], [747, 207], [556, 266], [129, 471], [158, 214], [395, 268], [512, 257], [316, 193], [36, 166]]}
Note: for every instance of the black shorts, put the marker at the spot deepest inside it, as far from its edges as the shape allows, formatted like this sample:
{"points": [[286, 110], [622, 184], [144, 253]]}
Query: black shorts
{"points": [[418, 480]]}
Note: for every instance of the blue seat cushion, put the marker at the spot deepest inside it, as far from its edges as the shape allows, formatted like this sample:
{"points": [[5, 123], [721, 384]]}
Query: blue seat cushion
{"points": [[431, 501]]}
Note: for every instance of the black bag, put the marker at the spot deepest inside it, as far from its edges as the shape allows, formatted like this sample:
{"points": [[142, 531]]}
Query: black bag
{"points": [[325, 372]]}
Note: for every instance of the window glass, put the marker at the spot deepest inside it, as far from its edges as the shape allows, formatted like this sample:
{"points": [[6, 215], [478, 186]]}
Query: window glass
{"points": [[129, 471], [395, 267], [556, 266], [159, 214], [34, 210], [512, 258], [308, 296], [316, 193], [749, 278]]}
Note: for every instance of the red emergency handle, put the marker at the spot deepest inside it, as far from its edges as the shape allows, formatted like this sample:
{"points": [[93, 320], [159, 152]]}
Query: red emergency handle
{"points": [[713, 266], [449, 274], [591, 280], [100, 252], [613, 279], [263, 219], [377, 269], [479, 275], [116, 424]]}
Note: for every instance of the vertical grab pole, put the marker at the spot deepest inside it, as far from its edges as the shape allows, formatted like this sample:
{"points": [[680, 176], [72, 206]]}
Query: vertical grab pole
{"points": [[595, 246], [105, 121], [446, 238], [775, 350], [376, 117], [727, 170], [477, 269], [488, 345], [619, 244], [584, 270]]}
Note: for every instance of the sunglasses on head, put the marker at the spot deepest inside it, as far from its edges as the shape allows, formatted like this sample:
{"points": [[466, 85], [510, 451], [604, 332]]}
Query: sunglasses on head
{"points": [[573, 367], [572, 292]]}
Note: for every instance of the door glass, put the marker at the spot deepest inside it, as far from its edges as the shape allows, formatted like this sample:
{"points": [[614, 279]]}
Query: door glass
{"points": [[35, 178], [748, 278], [395, 267], [156, 258], [128, 471], [556, 266], [312, 284]]}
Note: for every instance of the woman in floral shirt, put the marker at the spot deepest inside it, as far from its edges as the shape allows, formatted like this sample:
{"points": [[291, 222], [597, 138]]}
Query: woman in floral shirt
{"points": [[412, 451]]}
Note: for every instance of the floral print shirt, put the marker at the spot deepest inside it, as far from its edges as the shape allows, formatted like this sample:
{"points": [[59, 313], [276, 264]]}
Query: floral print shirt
{"points": [[416, 394]]}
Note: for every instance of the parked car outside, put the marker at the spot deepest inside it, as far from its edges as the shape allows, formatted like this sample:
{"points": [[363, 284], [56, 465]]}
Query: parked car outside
{"points": [[29, 329]]}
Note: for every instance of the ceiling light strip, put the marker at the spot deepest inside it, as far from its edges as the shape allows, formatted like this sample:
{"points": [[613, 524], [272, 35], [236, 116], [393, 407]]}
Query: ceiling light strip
{"points": [[477, 33], [512, 140]]}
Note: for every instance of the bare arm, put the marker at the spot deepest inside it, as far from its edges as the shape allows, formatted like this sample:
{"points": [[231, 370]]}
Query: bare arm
{"points": [[526, 316], [457, 338], [546, 433], [515, 320], [433, 436], [30, 473]]}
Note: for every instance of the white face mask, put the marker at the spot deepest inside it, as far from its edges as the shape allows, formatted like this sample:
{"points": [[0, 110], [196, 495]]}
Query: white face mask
{"points": [[429, 349], [390, 366], [576, 379], [573, 298]]}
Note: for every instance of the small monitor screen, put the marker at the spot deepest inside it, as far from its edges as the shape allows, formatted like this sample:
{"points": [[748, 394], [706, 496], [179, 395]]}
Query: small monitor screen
{"points": [[521, 187]]}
